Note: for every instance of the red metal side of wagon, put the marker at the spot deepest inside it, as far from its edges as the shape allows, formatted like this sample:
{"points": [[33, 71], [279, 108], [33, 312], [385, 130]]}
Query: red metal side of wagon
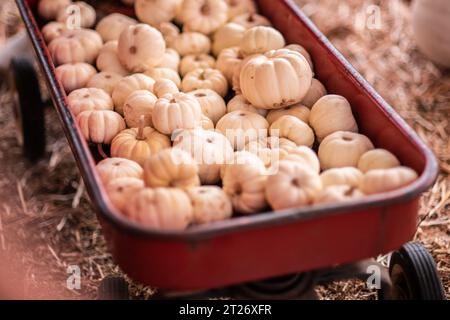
{"points": [[274, 243]]}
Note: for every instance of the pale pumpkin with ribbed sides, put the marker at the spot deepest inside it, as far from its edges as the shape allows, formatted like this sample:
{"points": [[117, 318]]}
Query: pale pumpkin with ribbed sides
{"points": [[240, 7], [377, 159], [210, 204], [242, 127], [171, 168], [141, 47], [209, 149], [169, 32], [300, 49], [104, 80], [165, 86], [79, 45], [176, 111], [269, 156], [275, 80], [108, 60], [338, 194], [228, 60], [239, 103], [250, 20], [110, 169], [332, 113], [138, 108], [205, 79], [74, 76], [204, 16], [297, 110], [170, 60], [212, 104], [191, 43], [384, 180], [127, 86], [155, 12], [229, 35], [139, 144], [244, 181], [121, 190], [206, 123], [196, 61], [111, 26], [293, 186], [48, 9], [348, 176], [100, 126], [53, 30], [164, 73], [316, 92], [294, 129], [259, 40], [89, 99], [301, 154], [343, 149], [166, 209]]}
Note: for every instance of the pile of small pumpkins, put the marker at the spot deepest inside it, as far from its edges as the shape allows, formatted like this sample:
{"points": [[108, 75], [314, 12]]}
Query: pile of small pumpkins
{"points": [[173, 106]]}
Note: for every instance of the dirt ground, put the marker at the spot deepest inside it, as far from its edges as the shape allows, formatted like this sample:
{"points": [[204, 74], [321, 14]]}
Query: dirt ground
{"points": [[47, 224]]}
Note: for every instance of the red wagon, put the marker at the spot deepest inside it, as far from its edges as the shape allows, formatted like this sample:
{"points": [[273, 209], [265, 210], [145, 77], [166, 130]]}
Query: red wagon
{"points": [[295, 249]]}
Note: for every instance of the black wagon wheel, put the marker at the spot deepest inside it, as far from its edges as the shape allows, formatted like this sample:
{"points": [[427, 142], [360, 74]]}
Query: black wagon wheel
{"points": [[414, 275], [28, 108], [113, 288]]}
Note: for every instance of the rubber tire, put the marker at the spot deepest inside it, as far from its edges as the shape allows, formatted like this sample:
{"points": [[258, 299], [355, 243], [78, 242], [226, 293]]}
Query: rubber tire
{"points": [[414, 275], [29, 110], [113, 288]]}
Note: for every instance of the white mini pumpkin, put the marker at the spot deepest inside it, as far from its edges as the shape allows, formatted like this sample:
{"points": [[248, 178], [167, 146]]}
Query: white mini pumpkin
{"points": [[89, 99], [332, 113], [111, 26], [384, 180], [81, 45], [228, 60], [108, 60], [297, 110], [196, 61], [240, 7], [127, 86], [169, 31], [212, 104], [155, 12], [166, 209], [209, 149], [100, 126], [287, 68], [78, 14], [48, 9], [269, 156], [74, 75], [227, 36], [176, 111], [53, 30], [343, 149], [242, 127], [138, 144], [164, 73], [191, 43], [300, 154], [298, 48], [171, 168], [171, 60], [163, 87], [205, 79], [244, 181], [204, 16], [141, 47], [259, 40], [294, 129], [105, 81], [315, 92], [110, 169], [250, 20], [138, 108], [377, 159], [293, 186], [338, 194], [238, 103], [121, 190], [349, 176], [206, 123], [210, 204]]}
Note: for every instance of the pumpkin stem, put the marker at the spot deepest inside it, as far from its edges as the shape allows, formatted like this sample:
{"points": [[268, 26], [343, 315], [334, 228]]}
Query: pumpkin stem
{"points": [[140, 135], [101, 151]]}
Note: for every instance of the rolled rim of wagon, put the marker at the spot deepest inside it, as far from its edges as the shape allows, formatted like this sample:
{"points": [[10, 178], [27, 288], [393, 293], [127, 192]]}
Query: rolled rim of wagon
{"points": [[103, 206]]}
